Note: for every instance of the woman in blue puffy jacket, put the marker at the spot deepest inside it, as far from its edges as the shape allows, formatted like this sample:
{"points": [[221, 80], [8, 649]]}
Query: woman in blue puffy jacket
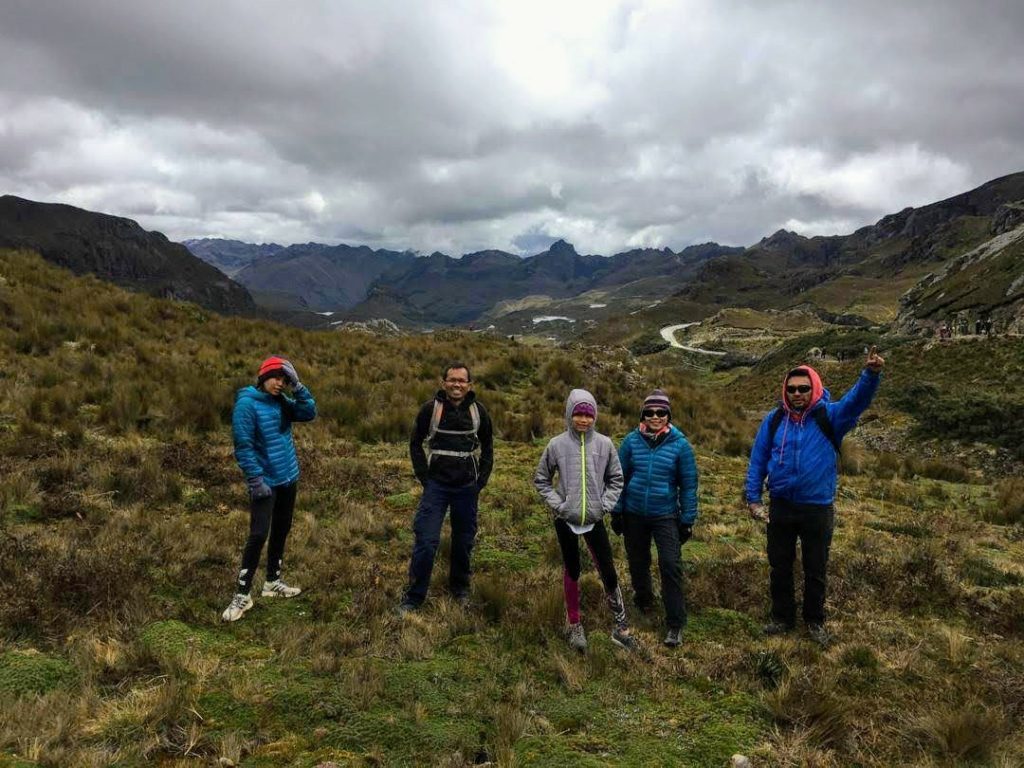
{"points": [[659, 501], [265, 452]]}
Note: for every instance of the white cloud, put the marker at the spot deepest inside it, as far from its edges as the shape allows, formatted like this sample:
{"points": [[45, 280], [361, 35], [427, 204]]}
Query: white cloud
{"points": [[463, 126]]}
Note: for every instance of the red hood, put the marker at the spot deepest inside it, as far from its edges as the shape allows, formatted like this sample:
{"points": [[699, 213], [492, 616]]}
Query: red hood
{"points": [[816, 390]]}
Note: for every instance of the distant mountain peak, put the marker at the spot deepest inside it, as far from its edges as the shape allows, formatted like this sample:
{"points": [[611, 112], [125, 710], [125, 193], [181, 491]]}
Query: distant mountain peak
{"points": [[562, 248], [781, 238]]}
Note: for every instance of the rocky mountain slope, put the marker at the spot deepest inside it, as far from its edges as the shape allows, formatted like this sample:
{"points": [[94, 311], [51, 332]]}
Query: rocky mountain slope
{"points": [[118, 250], [985, 283], [864, 273]]}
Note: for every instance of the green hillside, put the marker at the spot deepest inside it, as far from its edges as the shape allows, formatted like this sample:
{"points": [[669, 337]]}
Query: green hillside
{"points": [[123, 517]]}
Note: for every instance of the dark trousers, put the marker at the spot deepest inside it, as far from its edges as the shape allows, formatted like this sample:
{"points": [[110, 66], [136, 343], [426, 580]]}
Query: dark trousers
{"points": [[813, 525], [270, 516], [426, 527], [600, 552], [637, 532]]}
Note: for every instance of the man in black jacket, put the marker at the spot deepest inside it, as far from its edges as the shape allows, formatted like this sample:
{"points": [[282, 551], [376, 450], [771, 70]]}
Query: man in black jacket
{"points": [[452, 451]]}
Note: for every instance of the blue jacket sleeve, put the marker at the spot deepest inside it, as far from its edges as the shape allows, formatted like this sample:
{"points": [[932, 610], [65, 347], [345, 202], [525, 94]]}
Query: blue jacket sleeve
{"points": [[686, 468], [847, 410], [243, 430], [757, 470], [626, 461], [303, 406]]}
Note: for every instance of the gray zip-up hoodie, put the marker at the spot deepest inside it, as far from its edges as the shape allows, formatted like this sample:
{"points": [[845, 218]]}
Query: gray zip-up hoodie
{"points": [[587, 464]]}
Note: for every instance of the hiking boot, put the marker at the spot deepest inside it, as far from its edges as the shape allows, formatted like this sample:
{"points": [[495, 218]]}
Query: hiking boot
{"points": [[673, 638], [278, 588], [463, 600], [239, 604], [623, 638], [819, 634], [406, 607], [577, 638], [777, 628]]}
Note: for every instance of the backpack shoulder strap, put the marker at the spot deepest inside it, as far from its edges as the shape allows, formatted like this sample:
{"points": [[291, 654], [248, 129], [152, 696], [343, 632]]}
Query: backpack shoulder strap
{"points": [[474, 414], [773, 425], [825, 425], [435, 420]]}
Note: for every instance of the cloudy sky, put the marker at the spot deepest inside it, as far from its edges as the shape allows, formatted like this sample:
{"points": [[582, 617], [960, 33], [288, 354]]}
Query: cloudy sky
{"points": [[462, 125]]}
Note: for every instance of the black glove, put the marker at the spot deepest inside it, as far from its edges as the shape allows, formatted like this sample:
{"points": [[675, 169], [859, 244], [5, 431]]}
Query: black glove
{"points": [[685, 532], [617, 524], [258, 488]]}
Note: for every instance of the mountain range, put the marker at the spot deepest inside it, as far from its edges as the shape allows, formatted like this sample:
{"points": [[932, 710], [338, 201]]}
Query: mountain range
{"points": [[870, 275], [915, 268]]}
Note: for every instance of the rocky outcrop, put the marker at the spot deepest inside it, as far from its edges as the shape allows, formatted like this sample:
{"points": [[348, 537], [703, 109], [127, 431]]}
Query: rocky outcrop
{"points": [[1008, 216], [120, 251]]}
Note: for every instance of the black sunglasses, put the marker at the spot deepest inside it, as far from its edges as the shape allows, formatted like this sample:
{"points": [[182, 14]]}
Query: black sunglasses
{"points": [[803, 389], [657, 414]]}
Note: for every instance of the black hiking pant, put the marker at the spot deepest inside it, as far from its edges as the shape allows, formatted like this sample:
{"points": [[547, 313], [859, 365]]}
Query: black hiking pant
{"points": [[437, 499], [637, 532], [812, 525], [271, 517]]}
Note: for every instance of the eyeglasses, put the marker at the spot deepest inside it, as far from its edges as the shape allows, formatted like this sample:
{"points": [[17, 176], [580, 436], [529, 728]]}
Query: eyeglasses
{"points": [[652, 414], [803, 389], [456, 381]]}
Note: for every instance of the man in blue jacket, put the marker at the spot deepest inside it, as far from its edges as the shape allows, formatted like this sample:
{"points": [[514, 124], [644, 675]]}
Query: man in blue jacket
{"points": [[797, 449], [660, 501], [265, 452]]}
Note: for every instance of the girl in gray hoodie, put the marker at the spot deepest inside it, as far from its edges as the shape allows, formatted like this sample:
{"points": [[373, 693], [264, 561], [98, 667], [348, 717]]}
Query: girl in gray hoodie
{"points": [[589, 481]]}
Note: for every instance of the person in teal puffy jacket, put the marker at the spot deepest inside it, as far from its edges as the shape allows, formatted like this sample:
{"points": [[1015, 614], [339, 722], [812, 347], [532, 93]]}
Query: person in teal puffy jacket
{"points": [[659, 501], [265, 452]]}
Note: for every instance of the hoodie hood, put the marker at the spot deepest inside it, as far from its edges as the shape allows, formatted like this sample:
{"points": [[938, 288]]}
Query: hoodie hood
{"points": [[576, 397], [256, 394], [817, 390]]}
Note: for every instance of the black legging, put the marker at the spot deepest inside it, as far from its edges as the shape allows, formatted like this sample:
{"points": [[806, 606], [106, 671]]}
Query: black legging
{"points": [[273, 516], [600, 552]]}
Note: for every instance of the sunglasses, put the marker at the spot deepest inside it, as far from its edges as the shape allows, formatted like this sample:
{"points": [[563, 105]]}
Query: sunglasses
{"points": [[659, 414], [793, 389]]}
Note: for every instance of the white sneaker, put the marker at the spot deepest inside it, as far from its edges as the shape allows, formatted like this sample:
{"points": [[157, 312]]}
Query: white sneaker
{"points": [[279, 589], [240, 603]]}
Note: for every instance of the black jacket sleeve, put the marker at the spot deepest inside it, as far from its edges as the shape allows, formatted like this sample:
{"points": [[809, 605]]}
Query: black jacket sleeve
{"points": [[485, 434], [420, 429]]}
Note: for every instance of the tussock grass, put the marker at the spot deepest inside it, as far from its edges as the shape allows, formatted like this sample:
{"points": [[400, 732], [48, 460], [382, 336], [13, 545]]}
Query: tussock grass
{"points": [[958, 732]]}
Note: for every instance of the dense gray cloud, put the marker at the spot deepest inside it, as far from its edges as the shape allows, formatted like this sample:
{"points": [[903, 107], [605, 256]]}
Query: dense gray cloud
{"points": [[460, 126]]}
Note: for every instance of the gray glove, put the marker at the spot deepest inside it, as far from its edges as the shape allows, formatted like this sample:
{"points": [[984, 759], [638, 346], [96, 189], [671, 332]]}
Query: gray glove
{"points": [[290, 374], [258, 488]]}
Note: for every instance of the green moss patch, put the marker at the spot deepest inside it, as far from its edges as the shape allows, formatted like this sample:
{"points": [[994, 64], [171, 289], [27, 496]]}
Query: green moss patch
{"points": [[28, 672]]}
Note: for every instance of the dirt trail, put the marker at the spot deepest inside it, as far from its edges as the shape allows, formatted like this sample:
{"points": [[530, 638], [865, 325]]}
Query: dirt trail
{"points": [[668, 333]]}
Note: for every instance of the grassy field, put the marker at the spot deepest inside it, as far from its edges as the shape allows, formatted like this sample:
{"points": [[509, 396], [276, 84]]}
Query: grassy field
{"points": [[123, 517]]}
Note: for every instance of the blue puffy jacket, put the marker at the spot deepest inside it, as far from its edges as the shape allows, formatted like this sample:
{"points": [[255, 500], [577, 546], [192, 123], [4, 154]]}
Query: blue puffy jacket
{"points": [[262, 429], [800, 463], [660, 481]]}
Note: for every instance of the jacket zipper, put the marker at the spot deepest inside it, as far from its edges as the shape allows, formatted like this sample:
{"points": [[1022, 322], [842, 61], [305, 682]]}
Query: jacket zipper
{"points": [[583, 473]]}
